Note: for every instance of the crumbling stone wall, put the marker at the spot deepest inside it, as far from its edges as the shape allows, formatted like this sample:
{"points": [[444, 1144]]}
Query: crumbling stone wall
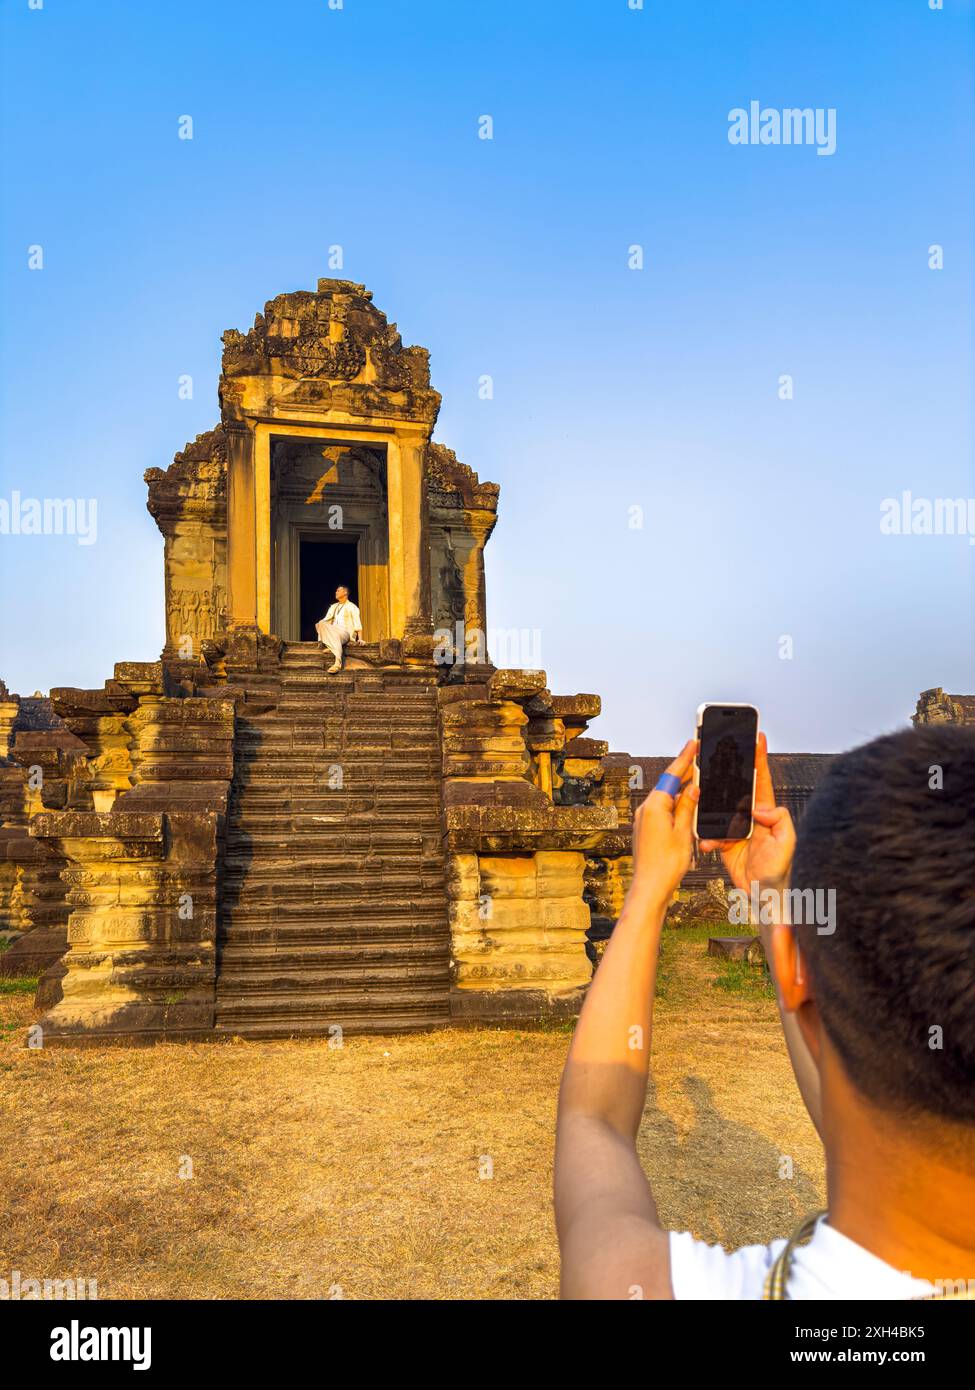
{"points": [[516, 850], [41, 765], [141, 869], [189, 504], [518, 923]]}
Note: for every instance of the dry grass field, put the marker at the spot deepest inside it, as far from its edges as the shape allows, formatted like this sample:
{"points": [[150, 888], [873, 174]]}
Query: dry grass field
{"points": [[316, 1169]]}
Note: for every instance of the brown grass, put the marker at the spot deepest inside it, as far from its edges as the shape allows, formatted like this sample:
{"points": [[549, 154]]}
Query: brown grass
{"points": [[359, 1168]]}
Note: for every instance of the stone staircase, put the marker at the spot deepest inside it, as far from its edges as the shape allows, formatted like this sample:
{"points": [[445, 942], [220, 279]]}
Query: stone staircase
{"points": [[334, 906]]}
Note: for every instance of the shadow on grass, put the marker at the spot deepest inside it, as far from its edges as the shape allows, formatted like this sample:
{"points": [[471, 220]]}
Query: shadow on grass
{"points": [[722, 1179]]}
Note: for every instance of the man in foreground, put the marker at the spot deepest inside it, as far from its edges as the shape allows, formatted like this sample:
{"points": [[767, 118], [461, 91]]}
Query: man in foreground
{"points": [[879, 1019], [340, 624]]}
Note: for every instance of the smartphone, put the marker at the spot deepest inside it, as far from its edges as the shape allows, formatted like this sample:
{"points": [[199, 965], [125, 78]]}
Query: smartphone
{"points": [[724, 771]]}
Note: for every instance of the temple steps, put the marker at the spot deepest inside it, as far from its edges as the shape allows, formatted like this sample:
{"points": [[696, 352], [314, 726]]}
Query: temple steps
{"points": [[411, 1012], [269, 926], [316, 738], [350, 807], [394, 874], [372, 756], [313, 764], [311, 769], [308, 708], [320, 838], [264, 830], [264, 884], [310, 723], [333, 898], [267, 920], [362, 830], [359, 825], [319, 969]]}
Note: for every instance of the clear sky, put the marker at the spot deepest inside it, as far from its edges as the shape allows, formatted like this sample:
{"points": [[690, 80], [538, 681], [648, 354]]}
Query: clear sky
{"points": [[614, 388]]}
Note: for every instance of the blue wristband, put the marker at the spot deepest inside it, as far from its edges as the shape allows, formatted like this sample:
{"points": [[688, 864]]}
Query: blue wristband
{"points": [[668, 783]]}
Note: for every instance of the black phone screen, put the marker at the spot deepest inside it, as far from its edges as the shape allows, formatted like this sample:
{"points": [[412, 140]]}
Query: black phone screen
{"points": [[726, 759]]}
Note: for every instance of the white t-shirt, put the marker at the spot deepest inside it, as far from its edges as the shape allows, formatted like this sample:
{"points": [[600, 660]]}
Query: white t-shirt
{"points": [[830, 1265], [344, 615]]}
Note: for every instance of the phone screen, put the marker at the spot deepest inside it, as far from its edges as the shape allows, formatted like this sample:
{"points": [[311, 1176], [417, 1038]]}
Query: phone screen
{"points": [[726, 762]]}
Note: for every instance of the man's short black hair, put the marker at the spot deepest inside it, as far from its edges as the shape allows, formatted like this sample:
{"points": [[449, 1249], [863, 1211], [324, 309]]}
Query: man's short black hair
{"points": [[892, 829]]}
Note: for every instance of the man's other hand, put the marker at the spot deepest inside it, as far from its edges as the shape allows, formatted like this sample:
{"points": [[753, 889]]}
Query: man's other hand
{"points": [[766, 857], [662, 835]]}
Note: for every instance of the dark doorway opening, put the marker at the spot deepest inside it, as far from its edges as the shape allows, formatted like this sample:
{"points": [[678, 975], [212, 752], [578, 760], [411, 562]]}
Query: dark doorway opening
{"points": [[323, 566]]}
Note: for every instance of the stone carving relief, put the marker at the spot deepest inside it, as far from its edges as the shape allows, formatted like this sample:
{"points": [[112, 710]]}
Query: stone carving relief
{"points": [[198, 613]]}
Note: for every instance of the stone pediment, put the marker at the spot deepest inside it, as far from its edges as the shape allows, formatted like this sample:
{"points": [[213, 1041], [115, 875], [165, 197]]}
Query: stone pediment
{"points": [[331, 348]]}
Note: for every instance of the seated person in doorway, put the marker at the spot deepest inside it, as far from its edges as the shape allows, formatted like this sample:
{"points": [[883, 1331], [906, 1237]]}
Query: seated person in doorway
{"points": [[340, 624]]}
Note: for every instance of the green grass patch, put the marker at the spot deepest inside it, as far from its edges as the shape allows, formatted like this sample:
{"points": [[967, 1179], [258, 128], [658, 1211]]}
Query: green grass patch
{"points": [[565, 1026], [699, 931], [19, 984], [739, 977], [732, 976]]}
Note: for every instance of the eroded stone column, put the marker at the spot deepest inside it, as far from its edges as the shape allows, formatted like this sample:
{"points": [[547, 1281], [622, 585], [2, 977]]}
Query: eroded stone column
{"points": [[409, 547], [481, 525], [241, 525]]}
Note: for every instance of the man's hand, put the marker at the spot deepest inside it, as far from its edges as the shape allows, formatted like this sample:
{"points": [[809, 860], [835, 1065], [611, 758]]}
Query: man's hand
{"points": [[766, 857], [662, 835]]}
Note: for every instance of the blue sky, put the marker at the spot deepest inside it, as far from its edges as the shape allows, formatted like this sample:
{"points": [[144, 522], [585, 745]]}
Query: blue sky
{"points": [[613, 388]]}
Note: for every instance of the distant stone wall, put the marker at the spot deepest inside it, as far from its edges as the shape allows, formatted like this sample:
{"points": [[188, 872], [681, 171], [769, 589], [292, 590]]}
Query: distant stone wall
{"points": [[935, 707], [795, 777]]}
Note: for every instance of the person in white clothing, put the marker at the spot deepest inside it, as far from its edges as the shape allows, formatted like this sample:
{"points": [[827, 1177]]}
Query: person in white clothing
{"points": [[878, 1011], [341, 624]]}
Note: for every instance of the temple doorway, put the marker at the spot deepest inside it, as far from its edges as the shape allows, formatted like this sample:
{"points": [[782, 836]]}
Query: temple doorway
{"points": [[322, 566], [329, 526]]}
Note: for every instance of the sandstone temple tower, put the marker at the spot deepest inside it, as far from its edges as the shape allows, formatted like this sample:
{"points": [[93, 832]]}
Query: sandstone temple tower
{"points": [[235, 842]]}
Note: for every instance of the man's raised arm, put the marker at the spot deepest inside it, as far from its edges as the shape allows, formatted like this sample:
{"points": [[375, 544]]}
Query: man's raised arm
{"points": [[612, 1243]]}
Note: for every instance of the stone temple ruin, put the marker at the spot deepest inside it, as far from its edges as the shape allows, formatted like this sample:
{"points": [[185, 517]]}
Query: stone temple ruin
{"points": [[236, 843], [227, 841]]}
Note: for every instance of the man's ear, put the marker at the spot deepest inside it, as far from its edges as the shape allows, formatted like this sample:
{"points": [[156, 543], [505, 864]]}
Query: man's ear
{"points": [[788, 968], [795, 986]]}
